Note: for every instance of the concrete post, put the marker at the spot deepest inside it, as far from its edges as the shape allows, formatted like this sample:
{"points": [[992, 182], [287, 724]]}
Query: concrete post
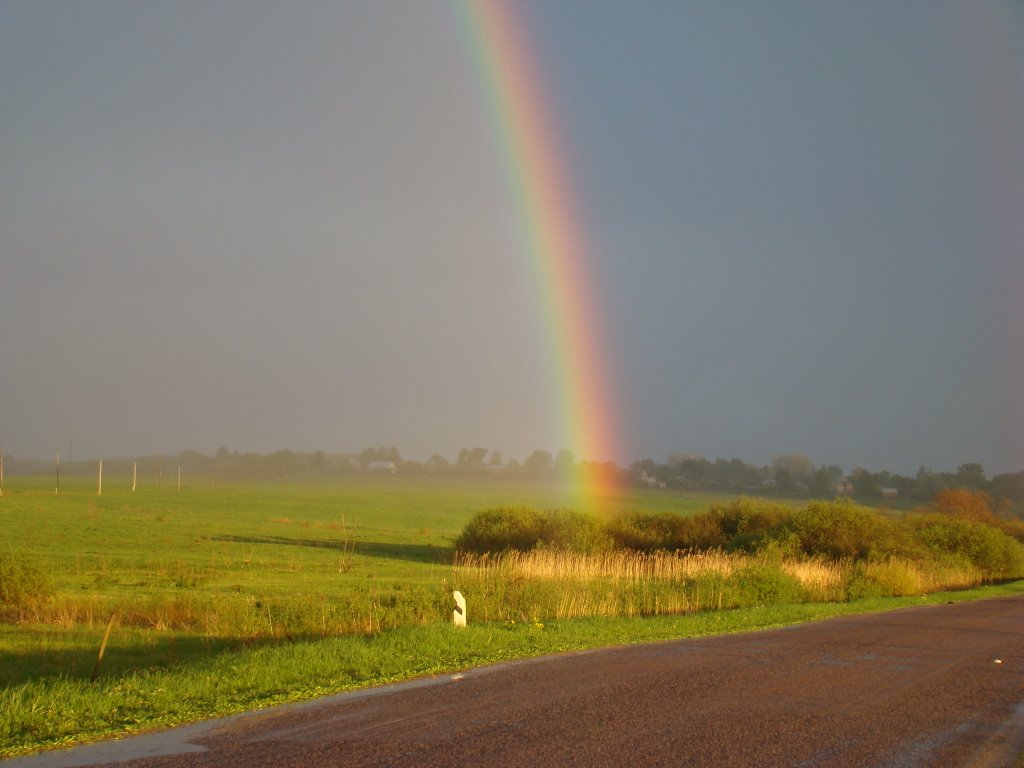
{"points": [[459, 614]]}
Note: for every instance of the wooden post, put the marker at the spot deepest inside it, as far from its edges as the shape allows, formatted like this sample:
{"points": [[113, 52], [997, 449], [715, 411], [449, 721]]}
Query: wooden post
{"points": [[160, 477], [103, 647], [56, 488], [99, 487], [1, 473], [179, 478], [135, 472]]}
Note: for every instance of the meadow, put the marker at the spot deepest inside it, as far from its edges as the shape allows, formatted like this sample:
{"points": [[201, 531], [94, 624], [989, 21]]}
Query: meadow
{"points": [[222, 596], [227, 559]]}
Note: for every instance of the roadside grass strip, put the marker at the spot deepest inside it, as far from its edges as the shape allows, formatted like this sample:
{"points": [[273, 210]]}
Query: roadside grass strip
{"points": [[57, 711]]}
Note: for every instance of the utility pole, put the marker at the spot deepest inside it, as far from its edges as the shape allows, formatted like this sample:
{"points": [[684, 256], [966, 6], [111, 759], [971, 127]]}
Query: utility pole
{"points": [[56, 488]]}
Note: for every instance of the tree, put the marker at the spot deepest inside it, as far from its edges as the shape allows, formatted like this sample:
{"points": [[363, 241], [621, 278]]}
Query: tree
{"points": [[539, 462], [565, 463], [825, 480], [965, 503], [436, 463], [865, 484], [694, 472], [471, 458], [971, 475], [1009, 486], [367, 457], [926, 484], [798, 467], [783, 480]]}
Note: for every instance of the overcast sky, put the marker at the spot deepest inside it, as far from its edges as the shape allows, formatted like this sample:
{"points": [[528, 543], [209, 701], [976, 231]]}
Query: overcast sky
{"points": [[286, 225]]}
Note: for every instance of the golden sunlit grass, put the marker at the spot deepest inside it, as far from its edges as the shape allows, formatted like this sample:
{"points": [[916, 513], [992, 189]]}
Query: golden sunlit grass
{"points": [[558, 584], [619, 565]]}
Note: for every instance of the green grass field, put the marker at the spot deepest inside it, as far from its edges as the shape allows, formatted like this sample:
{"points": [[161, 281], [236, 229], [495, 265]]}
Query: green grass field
{"points": [[229, 563], [280, 538], [228, 597]]}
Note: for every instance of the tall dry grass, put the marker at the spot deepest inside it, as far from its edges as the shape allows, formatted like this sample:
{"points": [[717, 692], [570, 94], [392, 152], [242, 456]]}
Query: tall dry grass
{"points": [[616, 566], [545, 583]]}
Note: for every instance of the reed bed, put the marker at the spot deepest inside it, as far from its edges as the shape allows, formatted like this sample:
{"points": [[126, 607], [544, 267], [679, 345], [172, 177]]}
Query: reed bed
{"points": [[552, 584], [616, 566]]}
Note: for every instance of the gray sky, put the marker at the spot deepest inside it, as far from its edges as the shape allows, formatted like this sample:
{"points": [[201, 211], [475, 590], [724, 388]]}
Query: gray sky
{"points": [[271, 225]]}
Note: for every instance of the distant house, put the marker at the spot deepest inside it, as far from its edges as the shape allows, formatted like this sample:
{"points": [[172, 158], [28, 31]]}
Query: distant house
{"points": [[381, 467], [890, 493], [650, 482], [845, 488]]}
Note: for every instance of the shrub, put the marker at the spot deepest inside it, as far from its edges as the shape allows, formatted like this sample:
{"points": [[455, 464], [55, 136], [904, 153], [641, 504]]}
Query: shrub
{"points": [[500, 529], [995, 553], [1014, 528], [764, 583], [842, 530], [741, 525], [746, 522], [965, 503], [649, 533], [24, 584], [565, 529], [523, 529], [885, 578]]}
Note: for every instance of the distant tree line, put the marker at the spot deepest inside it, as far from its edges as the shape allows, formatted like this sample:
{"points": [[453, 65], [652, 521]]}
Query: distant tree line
{"points": [[794, 474], [791, 474], [384, 460]]}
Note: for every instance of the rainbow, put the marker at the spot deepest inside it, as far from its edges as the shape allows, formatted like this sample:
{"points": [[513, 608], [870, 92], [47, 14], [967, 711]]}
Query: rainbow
{"points": [[535, 163]]}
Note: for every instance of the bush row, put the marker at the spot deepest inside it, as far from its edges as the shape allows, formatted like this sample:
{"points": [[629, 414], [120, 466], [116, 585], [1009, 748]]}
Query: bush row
{"points": [[834, 530]]}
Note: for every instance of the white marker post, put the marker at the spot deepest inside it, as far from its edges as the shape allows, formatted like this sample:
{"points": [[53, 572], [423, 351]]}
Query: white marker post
{"points": [[99, 488], [459, 614], [135, 471]]}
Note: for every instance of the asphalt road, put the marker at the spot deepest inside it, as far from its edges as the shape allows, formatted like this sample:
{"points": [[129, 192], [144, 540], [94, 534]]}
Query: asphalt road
{"points": [[932, 686]]}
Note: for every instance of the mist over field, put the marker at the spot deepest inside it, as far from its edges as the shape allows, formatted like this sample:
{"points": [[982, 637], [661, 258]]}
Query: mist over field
{"points": [[266, 227]]}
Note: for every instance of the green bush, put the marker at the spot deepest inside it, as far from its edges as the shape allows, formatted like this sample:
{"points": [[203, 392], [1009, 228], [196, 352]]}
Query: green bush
{"points": [[24, 584], [565, 529], [996, 554], [841, 530], [649, 533], [764, 584], [740, 525], [523, 529], [746, 523], [501, 529], [885, 578]]}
